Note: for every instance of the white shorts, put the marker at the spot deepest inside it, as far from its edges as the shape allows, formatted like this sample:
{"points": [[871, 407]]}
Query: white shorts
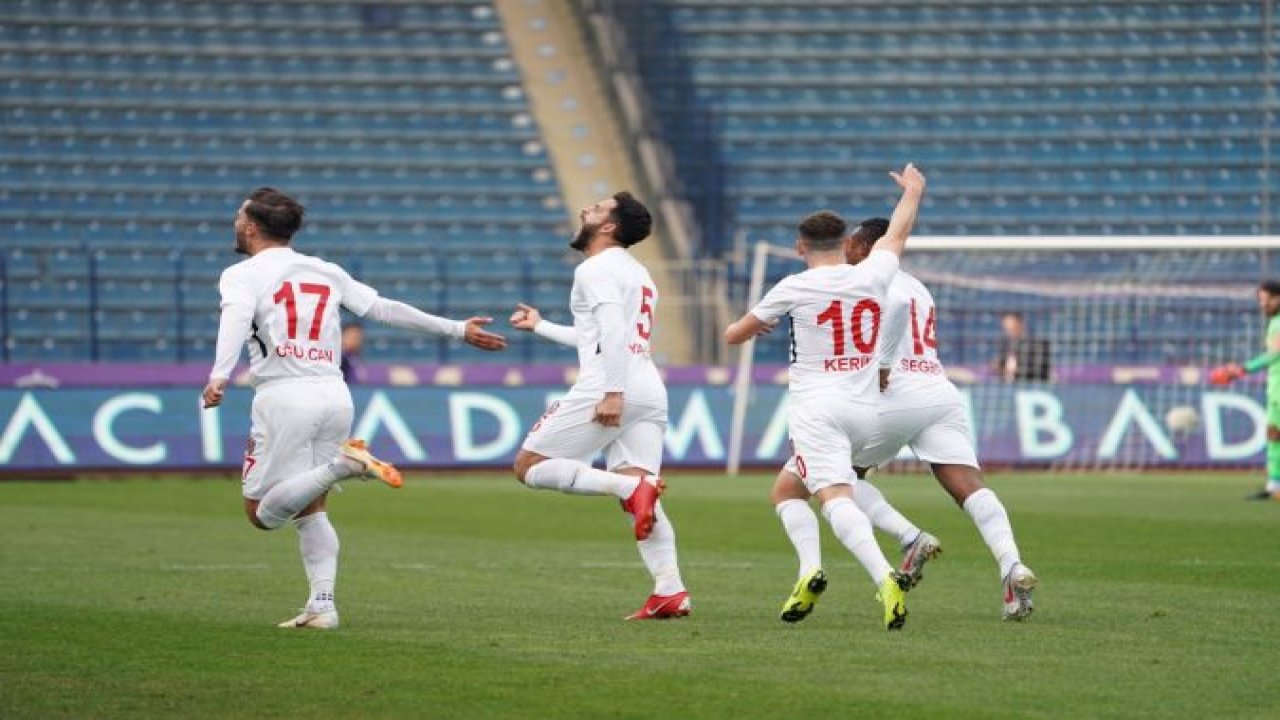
{"points": [[824, 435], [297, 425], [567, 430], [938, 435]]}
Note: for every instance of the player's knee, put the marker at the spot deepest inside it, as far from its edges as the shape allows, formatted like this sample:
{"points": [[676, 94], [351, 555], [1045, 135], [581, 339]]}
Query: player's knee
{"points": [[254, 520], [960, 481], [524, 462], [787, 487]]}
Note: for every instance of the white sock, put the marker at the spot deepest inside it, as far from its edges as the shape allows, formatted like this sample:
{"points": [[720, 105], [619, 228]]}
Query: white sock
{"points": [[993, 524], [289, 497], [801, 525], [854, 530], [319, 546], [579, 478], [882, 515], [659, 555]]}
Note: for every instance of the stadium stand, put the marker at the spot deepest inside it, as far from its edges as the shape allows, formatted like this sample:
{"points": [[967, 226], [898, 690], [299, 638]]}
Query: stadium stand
{"points": [[1031, 118], [1142, 118], [133, 129]]}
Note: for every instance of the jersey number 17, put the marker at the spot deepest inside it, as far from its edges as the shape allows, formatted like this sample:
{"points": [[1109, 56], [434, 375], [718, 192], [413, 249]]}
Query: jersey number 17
{"points": [[286, 295]]}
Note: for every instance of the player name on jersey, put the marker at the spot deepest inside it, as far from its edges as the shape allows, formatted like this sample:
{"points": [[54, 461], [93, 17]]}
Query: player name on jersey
{"points": [[848, 363], [306, 354], [927, 367]]}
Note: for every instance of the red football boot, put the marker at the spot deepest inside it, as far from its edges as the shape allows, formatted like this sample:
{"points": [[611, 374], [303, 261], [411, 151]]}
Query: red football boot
{"points": [[663, 607], [641, 503]]}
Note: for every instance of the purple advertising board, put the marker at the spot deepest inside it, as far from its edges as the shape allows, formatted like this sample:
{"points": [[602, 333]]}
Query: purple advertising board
{"points": [[163, 427]]}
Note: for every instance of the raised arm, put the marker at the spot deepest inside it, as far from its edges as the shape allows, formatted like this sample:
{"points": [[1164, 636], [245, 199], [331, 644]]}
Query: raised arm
{"points": [[904, 215]]}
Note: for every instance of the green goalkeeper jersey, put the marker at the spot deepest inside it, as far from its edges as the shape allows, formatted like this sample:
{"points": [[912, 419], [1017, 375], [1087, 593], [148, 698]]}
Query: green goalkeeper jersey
{"points": [[1269, 359]]}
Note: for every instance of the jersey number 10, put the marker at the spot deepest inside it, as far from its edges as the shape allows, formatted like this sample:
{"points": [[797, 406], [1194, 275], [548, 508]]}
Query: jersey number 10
{"points": [[834, 314], [285, 295]]}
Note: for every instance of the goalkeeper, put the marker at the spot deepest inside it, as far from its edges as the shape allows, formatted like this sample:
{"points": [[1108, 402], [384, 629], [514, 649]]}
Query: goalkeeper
{"points": [[1269, 301]]}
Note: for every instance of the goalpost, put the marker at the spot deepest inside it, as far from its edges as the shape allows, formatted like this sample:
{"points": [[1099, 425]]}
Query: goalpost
{"points": [[1148, 313]]}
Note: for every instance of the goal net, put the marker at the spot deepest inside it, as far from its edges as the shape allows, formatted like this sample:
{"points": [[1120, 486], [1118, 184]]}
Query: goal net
{"points": [[1118, 334]]}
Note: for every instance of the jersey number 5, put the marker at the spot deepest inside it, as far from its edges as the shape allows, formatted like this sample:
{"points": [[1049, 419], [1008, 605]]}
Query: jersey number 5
{"points": [[285, 295], [834, 314], [645, 328]]}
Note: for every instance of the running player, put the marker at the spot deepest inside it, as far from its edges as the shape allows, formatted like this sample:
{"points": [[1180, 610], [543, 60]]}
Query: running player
{"points": [[835, 311], [922, 409], [619, 402], [284, 306], [1269, 301]]}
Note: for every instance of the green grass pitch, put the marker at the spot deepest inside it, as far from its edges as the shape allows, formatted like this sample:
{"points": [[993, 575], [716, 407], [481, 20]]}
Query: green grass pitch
{"points": [[470, 597]]}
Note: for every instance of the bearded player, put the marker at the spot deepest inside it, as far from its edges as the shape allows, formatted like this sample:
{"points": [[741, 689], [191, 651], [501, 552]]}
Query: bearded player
{"points": [[284, 306], [619, 403]]}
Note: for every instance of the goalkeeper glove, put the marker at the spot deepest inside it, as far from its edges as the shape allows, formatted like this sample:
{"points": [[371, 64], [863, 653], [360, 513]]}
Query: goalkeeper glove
{"points": [[1225, 374]]}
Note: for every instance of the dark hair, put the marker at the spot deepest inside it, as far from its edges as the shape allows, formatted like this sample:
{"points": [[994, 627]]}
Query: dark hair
{"points": [[1271, 287], [275, 213], [871, 230], [632, 217], [824, 230]]}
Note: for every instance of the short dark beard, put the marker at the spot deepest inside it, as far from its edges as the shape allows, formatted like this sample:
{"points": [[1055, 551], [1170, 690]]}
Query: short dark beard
{"points": [[241, 245], [583, 237]]}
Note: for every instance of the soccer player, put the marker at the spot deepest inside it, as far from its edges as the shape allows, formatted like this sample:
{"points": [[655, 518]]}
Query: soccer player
{"points": [[619, 402], [284, 306], [1269, 301], [836, 315], [922, 409]]}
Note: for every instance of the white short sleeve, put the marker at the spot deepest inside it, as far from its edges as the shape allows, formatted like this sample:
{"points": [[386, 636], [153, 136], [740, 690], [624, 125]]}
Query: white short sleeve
{"points": [[779, 301], [235, 288], [356, 296]]}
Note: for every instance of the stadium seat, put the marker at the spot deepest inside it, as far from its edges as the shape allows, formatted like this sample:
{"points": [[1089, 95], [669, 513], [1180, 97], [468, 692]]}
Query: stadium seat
{"points": [[129, 158]]}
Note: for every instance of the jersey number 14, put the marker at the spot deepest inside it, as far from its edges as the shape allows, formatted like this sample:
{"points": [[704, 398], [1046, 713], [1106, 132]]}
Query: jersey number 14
{"points": [[926, 337]]}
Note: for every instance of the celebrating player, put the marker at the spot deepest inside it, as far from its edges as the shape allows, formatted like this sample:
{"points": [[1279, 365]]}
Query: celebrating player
{"points": [[922, 409], [836, 315], [619, 402], [1269, 301], [284, 306]]}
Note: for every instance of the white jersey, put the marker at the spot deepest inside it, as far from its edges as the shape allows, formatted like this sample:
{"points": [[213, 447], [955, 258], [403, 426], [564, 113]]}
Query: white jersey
{"points": [[614, 276], [296, 330], [909, 346], [835, 325]]}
